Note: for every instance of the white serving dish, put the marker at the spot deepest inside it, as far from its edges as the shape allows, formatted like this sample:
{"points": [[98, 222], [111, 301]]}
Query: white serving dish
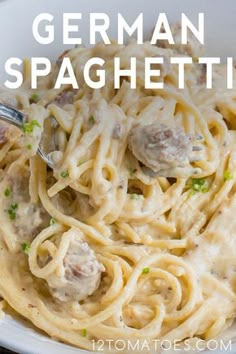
{"points": [[16, 40]]}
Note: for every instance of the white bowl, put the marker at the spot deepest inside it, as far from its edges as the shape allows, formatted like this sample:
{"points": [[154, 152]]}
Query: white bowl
{"points": [[16, 40]]}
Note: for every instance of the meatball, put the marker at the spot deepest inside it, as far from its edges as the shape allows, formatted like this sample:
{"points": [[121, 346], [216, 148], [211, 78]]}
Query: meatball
{"points": [[4, 132], [160, 147], [29, 218], [82, 274], [66, 97], [8, 98]]}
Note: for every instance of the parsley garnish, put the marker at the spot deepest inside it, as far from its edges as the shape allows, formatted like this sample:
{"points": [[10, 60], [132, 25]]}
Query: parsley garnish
{"points": [[132, 171], [80, 163], [146, 270], [34, 98], [7, 192], [25, 247], [12, 211], [91, 120], [134, 196], [198, 185], [84, 332], [52, 221], [29, 147], [29, 127], [228, 175], [64, 174]]}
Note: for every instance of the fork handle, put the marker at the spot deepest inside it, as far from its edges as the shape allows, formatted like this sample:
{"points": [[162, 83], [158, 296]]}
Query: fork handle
{"points": [[11, 115]]}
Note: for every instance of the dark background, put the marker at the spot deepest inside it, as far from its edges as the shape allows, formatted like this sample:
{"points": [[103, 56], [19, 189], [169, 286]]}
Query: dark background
{"points": [[6, 351]]}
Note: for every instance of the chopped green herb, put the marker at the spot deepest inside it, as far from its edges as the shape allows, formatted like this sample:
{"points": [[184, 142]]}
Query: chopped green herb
{"points": [[132, 171], [29, 127], [12, 211], [52, 221], [25, 247], [198, 185], [84, 332], [7, 192], [228, 175], [80, 163], [64, 174], [146, 270], [191, 193], [29, 147], [91, 120], [134, 196], [34, 98]]}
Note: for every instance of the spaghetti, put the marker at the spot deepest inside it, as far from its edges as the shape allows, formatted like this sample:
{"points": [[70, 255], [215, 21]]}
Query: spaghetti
{"points": [[121, 240]]}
